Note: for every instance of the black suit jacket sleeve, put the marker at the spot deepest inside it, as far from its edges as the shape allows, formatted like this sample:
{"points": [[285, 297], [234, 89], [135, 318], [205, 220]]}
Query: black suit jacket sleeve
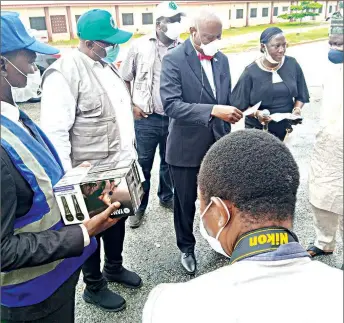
{"points": [[30, 249], [172, 96]]}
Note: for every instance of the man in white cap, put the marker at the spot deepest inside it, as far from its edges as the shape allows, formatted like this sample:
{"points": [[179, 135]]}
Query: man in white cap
{"points": [[142, 66], [87, 113]]}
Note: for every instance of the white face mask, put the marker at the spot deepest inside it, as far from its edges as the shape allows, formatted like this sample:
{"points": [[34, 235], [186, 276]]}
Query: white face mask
{"points": [[268, 56], [211, 49], [213, 242], [173, 30], [32, 89]]}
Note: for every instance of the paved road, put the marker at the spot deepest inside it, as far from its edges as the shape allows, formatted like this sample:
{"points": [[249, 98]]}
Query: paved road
{"points": [[151, 250]]}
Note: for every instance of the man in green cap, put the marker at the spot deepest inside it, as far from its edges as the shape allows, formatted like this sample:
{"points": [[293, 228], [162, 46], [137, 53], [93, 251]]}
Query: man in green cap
{"points": [[86, 111], [326, 167]]}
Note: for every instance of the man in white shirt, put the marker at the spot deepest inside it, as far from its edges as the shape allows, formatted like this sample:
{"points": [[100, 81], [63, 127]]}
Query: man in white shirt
{"points": [[195, 88], [247, 201], [86, 111], [326, 166], [142, 67]]}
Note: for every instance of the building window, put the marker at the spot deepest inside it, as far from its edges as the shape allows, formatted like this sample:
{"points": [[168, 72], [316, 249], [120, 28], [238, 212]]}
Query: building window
{"points": [[330, 9], [275, 11], [265, 12], [253, 13], [128, 19], [230, 14], [147, 19], [320, 9], [38, 23], [240, 14], [284, 9], [58, 24], [77, 18]]}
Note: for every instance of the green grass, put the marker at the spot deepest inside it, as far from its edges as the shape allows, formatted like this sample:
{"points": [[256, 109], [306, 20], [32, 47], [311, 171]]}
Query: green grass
{"points": [[292, 39], [258, 29], [226, 32]]}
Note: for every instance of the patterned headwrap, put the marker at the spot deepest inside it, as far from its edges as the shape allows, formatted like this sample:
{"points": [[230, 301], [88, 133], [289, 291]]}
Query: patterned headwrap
{"points": [[337, 24]]}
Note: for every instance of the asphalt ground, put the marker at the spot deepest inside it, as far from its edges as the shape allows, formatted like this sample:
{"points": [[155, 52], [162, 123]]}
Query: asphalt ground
{"points": [[151, 249]]}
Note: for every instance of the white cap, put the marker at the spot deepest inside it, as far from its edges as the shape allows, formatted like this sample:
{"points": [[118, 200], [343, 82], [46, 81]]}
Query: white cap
{"points": [[167, 9]]}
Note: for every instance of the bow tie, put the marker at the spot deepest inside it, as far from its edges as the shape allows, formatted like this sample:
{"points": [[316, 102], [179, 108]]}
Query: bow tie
{"points": [[204, 57]]}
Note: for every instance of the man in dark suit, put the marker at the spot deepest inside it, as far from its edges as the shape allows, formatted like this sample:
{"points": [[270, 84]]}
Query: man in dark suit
{"points": [[195, 91]]}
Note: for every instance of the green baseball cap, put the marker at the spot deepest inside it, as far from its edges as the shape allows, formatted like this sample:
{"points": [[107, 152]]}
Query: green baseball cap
{"points": [[99, 25]]}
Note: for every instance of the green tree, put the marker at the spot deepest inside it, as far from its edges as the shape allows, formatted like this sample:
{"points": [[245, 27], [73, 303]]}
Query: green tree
{"points": [[302, 10]]}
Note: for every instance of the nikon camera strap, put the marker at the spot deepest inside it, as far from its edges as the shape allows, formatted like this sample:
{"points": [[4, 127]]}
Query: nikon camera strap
{"points": [[261, 241]]}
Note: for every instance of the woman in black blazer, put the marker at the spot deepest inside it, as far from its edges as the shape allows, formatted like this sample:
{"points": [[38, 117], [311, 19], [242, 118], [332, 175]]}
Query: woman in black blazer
{"points": [[276, 80]]}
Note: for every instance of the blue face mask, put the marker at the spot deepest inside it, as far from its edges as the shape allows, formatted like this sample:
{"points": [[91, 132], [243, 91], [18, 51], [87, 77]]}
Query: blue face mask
{"points": [[336, 56], [111, 54]]}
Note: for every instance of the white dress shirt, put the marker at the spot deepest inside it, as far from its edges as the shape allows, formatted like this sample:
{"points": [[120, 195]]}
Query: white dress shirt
{"points": [[208, 70], [11, 112], [58, 109]]}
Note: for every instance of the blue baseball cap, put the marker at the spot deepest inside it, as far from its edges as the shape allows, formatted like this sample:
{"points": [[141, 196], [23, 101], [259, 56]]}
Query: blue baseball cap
{"points": [[99, 25], [15, 37]]}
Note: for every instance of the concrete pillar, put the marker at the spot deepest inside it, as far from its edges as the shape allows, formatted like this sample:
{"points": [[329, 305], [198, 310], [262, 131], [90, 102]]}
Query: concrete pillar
{"points": [[247, 13], [70, 23], [326, 9], [118, 21], [272, 13], [48, 23]]}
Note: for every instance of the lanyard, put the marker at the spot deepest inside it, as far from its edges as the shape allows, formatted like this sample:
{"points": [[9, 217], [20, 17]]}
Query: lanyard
{"points": [[261, 241]]}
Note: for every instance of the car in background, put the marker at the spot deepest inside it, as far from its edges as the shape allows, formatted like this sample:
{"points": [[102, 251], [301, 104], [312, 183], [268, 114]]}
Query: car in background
{"points": [[40, 35], [44, 61]]}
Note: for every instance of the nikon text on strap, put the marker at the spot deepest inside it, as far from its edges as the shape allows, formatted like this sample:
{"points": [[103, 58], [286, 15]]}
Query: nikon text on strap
{"points": [[261, 241]]}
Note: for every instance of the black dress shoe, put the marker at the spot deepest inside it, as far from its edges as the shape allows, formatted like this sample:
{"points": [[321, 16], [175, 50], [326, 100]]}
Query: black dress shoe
{"points": [[167, 205], [105, 299], [124, 277], [188, 261]]}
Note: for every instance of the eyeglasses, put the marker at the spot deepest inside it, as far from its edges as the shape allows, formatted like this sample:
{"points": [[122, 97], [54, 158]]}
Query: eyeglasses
{"points": [[113, 46]]}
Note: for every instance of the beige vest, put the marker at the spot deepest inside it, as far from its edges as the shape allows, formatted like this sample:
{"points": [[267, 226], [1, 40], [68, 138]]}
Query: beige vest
{"points": [[95, 134]]}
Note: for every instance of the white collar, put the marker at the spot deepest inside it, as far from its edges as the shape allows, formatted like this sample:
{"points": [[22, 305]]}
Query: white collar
{"points": [[10, 111]]}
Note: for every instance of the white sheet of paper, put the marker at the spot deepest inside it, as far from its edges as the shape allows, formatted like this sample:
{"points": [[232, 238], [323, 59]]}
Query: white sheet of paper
{"points": [[277, 117], [252, 110]]}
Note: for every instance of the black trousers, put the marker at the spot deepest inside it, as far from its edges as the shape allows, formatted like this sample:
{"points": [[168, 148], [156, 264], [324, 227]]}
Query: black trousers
{"points": [[113, 239], [185, 195], [64, 314]]}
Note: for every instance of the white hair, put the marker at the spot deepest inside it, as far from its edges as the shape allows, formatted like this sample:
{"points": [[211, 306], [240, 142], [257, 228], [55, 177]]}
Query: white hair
{"points": [[204, 14]]}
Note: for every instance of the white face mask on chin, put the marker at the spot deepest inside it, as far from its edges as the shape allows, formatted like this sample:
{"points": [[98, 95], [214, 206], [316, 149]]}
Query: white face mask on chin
{"points": [[213, 242], [173, 30], [268, 56]]}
